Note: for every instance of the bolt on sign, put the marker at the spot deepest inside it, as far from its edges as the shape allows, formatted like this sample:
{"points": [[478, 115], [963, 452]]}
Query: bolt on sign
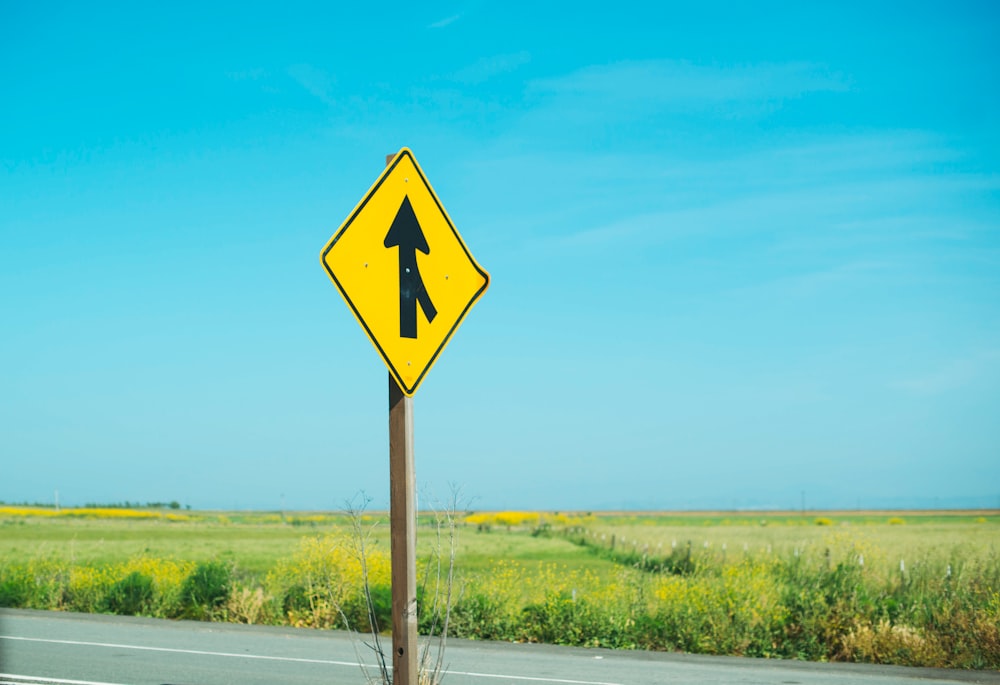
{"points": [[404, 271]]}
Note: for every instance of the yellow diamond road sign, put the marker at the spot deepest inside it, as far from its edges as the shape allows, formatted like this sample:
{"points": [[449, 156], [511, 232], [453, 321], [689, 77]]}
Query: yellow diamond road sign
{"points": [[404, 271]]}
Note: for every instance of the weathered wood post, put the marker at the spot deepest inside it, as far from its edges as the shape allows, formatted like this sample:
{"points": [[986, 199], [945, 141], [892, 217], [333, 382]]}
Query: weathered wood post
{"points": [[403, 536]]}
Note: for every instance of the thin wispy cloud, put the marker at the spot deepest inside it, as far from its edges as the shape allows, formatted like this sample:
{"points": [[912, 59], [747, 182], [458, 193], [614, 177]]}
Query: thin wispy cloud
{"points": [[831, 193], [317, 81], [447, 21], [913, 227], [819, 209], [247, 74], [955, 374], [488, 67], [679, 84], [836, 276]]}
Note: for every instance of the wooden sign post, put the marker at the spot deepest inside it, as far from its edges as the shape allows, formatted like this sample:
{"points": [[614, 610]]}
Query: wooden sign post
{"points": [[403, 536]]}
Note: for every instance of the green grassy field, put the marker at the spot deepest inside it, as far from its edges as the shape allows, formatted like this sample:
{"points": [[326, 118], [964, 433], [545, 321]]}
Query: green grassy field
{"points": [[255, 547], [256, 541], [912, 539], [919, 588]]}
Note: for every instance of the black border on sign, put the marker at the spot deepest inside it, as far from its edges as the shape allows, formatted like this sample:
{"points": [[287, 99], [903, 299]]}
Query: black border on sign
{"points": [[404, 152]]}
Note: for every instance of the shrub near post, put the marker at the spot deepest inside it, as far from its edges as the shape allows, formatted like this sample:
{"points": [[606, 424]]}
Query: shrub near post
{"points": [[131, 596], [205, 590]]}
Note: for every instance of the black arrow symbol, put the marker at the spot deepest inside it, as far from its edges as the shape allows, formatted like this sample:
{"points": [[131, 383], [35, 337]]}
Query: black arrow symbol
{"points": [[405, 234]]}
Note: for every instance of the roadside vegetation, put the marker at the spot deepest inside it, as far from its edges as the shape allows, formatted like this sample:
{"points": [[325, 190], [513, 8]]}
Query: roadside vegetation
{"points": [[909, 588]]}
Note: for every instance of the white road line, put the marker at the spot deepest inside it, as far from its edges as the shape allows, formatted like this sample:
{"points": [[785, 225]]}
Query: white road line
{"points": [[536, 679], [354, 664], [36, 679], [171, 650]]}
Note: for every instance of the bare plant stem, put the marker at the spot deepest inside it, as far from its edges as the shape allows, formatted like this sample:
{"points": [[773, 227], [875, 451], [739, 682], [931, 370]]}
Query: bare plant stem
{"points": [[445, 518], [360, 537]]}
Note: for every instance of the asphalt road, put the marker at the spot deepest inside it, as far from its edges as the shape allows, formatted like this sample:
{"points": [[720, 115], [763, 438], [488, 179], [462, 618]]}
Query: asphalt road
{"points": [[42, 648]]}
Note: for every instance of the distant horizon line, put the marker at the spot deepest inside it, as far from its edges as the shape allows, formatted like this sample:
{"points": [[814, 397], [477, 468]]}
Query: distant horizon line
{"points": [[620, 511]]}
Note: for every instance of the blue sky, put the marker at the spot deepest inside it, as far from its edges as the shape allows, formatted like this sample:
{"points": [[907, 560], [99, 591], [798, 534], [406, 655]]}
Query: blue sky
{"points": [[741, 253]]}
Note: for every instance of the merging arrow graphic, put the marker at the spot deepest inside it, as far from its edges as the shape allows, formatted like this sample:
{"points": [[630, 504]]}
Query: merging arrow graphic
{"points": [[405, 234]]}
